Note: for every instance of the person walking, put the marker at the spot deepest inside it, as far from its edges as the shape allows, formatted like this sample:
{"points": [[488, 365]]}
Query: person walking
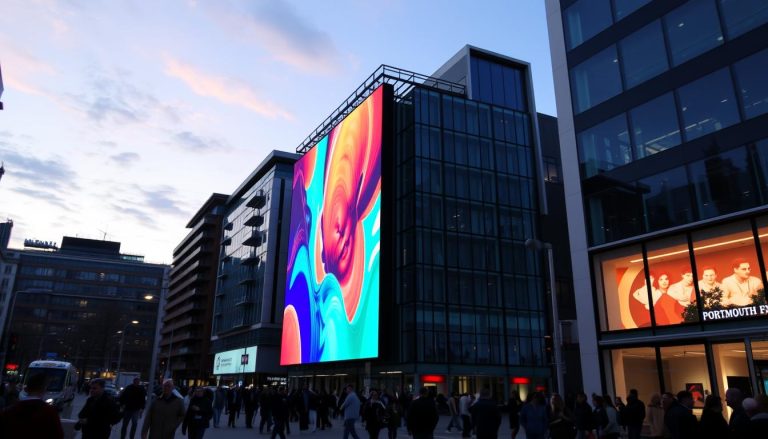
{"points": [[534, 417], [738, 425], [713, 424], [422, 416], [679, 418], [561, 425], [250, 403], [633, 415], [278, 403], [99, 413], [265, 409], [350, 408], [654, 416], [324, 403], [234, 401], [609, 427], [466, 419], [453, 412], [582, 416], [199, 414], [374, 413], [219, 404], [164, 414], [132, 399], [31, 417], [394, 417], [486, 416], [513, 408]]}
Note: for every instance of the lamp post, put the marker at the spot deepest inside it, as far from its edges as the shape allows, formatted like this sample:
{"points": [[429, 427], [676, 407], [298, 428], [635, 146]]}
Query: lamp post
{"points": [[120, 352], [536, 245]]}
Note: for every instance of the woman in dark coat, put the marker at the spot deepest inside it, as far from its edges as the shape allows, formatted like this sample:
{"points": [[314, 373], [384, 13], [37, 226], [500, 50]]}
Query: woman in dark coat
{"points": [[713, 424], [198, 416], [374, 413]]}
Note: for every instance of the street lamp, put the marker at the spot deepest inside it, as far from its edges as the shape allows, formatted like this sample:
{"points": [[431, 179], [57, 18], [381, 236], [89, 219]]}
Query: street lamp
{"points": [[120, 352], [536, 245]]}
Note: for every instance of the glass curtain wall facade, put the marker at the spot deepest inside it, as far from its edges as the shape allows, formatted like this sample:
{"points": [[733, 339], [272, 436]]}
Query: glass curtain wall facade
{"points": [[251, 276], [664, 133]]}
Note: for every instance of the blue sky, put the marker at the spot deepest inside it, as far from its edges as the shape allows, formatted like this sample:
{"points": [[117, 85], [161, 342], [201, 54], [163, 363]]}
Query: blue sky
{"points": [[123, 117]]}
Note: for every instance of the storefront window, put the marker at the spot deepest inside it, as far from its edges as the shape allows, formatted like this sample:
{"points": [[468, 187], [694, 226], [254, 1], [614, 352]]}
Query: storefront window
{"points": [[762, 233], [623, 293], [635, 369], [760, 357], [731, 368], [685, 368], [728, 272], [674, 299]]}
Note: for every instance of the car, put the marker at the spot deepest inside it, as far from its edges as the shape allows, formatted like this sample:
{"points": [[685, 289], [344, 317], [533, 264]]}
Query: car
{"points": [[109, 389]]}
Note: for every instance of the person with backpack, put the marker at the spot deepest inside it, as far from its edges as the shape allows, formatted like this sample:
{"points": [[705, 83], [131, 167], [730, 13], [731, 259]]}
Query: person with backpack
{"points": [[374, 414], [99, 414]]}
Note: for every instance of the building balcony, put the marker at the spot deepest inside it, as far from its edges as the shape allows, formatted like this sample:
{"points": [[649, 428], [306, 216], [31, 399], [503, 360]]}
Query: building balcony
{"points": [[257, 202], [247, 280], [226, 241], [244, 300], [254, 221], [250, 260], [255, 239]]}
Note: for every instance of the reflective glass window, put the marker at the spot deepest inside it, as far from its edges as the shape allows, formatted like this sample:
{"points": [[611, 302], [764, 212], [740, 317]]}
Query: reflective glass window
{"points": [[622, 8], [595, 80], [584, 19], [666, 199], [692, 29], [741, 16], [622, 277], [655, 126], [672, 293], [761, 169], [635, 369], [723, 183], [605, 146], [727, 268], [685, 367], [615, 213], [643, 54], [708, 104], [752, 86]]}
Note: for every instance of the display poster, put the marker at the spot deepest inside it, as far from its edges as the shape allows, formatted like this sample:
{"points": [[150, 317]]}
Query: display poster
{"points": [[235, 361]]}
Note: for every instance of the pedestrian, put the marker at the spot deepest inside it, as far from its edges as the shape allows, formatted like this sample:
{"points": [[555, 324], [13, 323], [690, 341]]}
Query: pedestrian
{"points": [[325, 401], [679, 418], [453, 412], [610, 428], [561, 425], [99, 413], [713, 424], [279, 408], [219, 404], [313, 401], [422, 416], [486, 416], [350, 408], [234, 401], [374, 414], [199, 414], [582, 417], [164, 414], [132, 400], [758, 423], [265, 409], [513, 408], [466, 419], [250, 403], [31, 417], [534, 417], [654, 417], [633, 415], [394, 418], [738, 425]]}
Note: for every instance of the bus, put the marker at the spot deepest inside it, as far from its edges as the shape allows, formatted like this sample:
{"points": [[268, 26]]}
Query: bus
{"points": [[62, 383]]}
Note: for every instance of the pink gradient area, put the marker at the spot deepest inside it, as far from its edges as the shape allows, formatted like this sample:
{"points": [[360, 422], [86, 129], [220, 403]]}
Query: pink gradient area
{"points": [[352, 185], [306, 167], [290, 352]]}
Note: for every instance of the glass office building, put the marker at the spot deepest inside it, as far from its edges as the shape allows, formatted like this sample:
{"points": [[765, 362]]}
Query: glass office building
{"points": [[465, 305], [663, 122]]}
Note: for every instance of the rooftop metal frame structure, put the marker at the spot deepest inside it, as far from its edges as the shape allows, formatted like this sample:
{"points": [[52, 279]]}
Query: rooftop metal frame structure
{"points": [[403, 81]]}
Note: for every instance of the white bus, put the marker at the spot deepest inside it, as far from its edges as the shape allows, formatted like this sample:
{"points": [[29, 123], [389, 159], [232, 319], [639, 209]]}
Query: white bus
{"points": [[62, 383]]}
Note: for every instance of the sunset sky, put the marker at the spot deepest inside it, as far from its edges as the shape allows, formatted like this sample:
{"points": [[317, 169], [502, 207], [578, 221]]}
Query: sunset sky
{"points": [[121, 118]]}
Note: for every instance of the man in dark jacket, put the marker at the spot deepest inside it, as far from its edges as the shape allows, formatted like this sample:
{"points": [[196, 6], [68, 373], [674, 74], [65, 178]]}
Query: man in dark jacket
{"points": [[633, 415], [679, 419], [99, 414], [758, 423], [199, 414], [738, 425], [251, 404], [279, 406], [132, 399], [486, 416], [422, 416], [31, 417]]}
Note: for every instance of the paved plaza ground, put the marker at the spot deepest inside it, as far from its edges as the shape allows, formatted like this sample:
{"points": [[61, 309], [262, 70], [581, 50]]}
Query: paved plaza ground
{"points": [[240, 432]]}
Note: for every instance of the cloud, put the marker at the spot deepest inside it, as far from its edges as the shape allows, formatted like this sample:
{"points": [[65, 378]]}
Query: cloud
{"points": [[162, 200], [292, 40], [125, 159], [142, 216], [227, 90], [20, 70], [49, 173], [46, 196], [195, 143]]}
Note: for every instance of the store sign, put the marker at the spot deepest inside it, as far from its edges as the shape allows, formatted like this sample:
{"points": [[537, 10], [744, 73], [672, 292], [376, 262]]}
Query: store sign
{"points": [[731, 313], [34, 243], [235, 361]]}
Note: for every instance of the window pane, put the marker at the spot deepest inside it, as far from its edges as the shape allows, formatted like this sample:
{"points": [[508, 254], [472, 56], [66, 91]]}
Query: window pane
{"points": [[654, 126], [752, 86], [643, 54], [623, 278], [685, 367], [666, 199], [708, 104], [723, 183], [605, 146], [622, 8], [672, 279], [741, 16], [595, 80], [635, 369], [761, 170], [692, 29], [732, 368], [615, 213], [585, 19], [726, 262]]}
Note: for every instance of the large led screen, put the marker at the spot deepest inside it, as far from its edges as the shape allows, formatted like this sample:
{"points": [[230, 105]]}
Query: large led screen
{"points": [[332, 285]]}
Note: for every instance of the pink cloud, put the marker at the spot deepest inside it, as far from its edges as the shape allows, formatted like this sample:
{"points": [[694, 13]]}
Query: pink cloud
{"points": [[227, 90]]}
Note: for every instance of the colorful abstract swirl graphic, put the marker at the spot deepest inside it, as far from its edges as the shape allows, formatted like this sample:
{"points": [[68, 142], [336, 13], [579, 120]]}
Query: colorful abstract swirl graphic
{"points": [[332, 284]]}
